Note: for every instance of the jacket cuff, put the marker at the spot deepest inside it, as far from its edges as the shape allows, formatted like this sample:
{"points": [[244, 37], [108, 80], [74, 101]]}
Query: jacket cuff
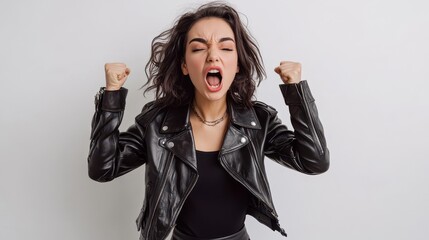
{"points": [[295, 93], [114, 101]]}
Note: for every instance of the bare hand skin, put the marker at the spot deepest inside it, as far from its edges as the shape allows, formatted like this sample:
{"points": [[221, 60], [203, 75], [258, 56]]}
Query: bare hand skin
{"points": [[116, 75], [289, 72]]}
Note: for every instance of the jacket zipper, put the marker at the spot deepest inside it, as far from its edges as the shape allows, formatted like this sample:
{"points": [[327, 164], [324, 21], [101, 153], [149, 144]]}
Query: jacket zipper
{"points": [[263, 175], [183, 201], [281, 230], [164, 181], [312, 129], [250, 190]]}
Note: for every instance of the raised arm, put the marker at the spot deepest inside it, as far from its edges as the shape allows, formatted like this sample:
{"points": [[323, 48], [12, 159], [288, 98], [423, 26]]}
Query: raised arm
{"points": [[112, 153], [305, 148]]}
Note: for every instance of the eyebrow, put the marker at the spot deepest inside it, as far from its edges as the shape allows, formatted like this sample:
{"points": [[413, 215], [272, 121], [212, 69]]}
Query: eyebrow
{"points": [[202, 40]]}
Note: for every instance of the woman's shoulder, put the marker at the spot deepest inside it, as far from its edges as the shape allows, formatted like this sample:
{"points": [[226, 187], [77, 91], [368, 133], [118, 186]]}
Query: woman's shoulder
{"points": [[149, 112], [263, 107]]}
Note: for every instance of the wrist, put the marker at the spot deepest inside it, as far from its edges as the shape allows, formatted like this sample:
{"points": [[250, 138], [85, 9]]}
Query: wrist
{"points": [[112, 88]]}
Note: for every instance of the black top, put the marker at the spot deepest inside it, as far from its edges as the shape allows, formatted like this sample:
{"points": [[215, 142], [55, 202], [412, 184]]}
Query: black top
{"points": [[217, 205]]}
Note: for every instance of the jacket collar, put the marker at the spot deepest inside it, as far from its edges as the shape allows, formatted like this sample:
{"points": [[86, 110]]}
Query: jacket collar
{"points": [[181, 141], [242, 116], [177, 118]]}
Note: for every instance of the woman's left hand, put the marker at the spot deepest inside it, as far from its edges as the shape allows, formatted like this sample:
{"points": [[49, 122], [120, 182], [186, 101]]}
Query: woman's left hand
{"points": [[289, 72]]}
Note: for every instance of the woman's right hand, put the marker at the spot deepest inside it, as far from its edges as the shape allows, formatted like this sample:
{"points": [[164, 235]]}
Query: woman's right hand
{"points": [[116, 75]]}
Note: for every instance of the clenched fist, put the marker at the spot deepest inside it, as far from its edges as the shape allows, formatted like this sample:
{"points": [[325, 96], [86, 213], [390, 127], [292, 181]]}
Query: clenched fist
{"points": [[290, 72], [116, 75]]}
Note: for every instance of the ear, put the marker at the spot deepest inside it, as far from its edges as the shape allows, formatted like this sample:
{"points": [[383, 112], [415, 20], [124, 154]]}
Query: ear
{"points": [[184, 69]]}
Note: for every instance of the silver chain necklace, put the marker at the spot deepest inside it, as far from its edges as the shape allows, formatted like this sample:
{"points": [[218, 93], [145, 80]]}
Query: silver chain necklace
{"points": [[208, 123]]}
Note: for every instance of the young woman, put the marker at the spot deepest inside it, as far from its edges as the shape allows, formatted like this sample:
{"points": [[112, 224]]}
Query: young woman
{"points": [[203, 139]]}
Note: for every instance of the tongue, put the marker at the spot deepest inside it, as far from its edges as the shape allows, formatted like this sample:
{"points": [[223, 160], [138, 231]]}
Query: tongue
{"points": [[213, 81]]}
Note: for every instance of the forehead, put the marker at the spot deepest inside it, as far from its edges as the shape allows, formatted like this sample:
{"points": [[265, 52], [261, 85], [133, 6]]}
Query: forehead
{"points": [[210, 28]]}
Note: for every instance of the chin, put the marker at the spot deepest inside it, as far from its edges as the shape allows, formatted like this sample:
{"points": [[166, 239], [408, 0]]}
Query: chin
{"points": [[215, 96]]}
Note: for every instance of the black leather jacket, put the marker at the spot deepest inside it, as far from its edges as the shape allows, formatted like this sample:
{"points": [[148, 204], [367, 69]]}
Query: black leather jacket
{"points": [[162, 139]]}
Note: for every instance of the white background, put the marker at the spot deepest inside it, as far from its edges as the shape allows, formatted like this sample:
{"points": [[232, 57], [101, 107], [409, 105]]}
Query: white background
{"points": [[365, 63]]}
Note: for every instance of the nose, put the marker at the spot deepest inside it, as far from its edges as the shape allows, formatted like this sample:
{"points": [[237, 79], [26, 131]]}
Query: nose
{"points": [[213, 55]]}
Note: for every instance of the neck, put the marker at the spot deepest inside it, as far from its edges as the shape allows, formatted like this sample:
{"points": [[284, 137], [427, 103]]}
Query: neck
{"points": [[210, 110]]}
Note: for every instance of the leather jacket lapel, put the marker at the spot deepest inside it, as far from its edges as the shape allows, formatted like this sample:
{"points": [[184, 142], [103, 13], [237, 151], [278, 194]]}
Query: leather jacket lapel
{"points": [[242, 117], [234, 139], [180, 140], [182, 145]]}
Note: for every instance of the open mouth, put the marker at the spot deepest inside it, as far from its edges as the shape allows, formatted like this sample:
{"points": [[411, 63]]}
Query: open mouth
{"points": [[214, 78]]}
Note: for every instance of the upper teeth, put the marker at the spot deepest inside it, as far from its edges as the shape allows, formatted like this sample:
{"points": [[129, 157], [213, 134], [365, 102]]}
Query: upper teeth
{"points": [[214, 71]]}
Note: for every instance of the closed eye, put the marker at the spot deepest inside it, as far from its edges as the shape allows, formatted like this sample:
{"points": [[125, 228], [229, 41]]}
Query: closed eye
{"points": [[227, 49], [197, 49]]}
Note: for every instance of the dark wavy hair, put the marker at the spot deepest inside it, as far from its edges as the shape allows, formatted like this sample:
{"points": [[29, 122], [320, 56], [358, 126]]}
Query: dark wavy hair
{"points": [[164, 72]]}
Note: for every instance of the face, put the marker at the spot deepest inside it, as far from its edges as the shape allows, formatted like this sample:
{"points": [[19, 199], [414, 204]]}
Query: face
{"points": [[211, 59]]}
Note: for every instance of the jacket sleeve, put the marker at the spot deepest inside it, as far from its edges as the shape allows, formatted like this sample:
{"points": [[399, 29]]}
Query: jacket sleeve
{"points": [[112, 153], [303, 149]]}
